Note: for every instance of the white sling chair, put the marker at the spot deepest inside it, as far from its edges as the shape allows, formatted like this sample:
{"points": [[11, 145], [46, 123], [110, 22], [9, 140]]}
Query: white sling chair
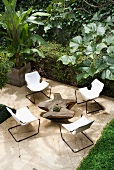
{"points": [[33, 83], [91, 94], [79, 125], [24, 117]]}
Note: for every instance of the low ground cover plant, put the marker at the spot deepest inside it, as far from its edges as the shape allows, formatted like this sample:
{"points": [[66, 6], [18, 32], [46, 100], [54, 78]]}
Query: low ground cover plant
{"points": [[101, 156]]}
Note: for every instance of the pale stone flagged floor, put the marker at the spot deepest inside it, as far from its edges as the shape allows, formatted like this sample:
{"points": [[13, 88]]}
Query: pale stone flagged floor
{"points": [[46, 151]]}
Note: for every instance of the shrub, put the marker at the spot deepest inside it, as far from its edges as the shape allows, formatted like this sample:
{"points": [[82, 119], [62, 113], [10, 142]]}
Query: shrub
{"points": [[51, 67], [5, 66]]}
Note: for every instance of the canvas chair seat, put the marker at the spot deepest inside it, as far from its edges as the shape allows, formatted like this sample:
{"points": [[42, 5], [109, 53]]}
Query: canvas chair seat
{"points": [[23, 116], [92, 94], [35, 84], [80, 125]]}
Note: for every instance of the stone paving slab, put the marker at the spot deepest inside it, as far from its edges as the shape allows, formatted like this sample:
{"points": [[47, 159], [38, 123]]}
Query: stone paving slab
{"points": [[47, 151]]}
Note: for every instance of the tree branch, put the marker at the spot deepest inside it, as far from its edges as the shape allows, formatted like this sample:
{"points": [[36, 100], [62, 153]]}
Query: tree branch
{"points": [[83, 10], [100, 5], [95, 2]]}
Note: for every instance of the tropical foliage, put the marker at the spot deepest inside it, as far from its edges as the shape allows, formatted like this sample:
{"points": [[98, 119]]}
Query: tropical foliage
{"points": [[93, 50], [67, 17], [19, 38], [64, 22]]}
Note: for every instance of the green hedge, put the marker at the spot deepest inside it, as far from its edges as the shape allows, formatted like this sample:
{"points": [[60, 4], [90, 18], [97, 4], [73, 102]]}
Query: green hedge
{"points": [[51, 68]]}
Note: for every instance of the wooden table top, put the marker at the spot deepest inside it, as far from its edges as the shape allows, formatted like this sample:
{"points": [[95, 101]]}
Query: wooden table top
{"points": [[58, 108]]}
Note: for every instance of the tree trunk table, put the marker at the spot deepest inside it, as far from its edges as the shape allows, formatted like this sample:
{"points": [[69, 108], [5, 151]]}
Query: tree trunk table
{"points": [[58, 108]]}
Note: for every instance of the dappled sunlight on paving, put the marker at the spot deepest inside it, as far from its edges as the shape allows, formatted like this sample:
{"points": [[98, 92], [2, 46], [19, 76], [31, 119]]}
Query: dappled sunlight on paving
{"points": [[47, 151]]}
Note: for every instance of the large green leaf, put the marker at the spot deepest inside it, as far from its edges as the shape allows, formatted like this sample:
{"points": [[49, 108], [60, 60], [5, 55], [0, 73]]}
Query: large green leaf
{"points": [[26, 50], [96, 17], [109, 40], [33, 51], [113, 19], [86, 29], [91, 55], [13, 3], [78, 55], [89, 28], [35, 22], [108, 19], [89, 50], [31, 18], [75, 43], [112, 68], [41, 14], [101, 30], [110, 49], [92, 69], [92, 26], [101, 68], [23, 32], [86, 62], [67, 59], [10, 5], [84, 68], [99, 47], [108, 74], [108, 60], [24, 15], [38, 39], [41, 54], [82, 76]]}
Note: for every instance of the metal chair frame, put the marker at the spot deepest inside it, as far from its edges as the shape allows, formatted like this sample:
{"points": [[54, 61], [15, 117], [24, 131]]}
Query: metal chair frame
{"points": [[33, 93], [26, 137], [86, 101], [75, 151]]}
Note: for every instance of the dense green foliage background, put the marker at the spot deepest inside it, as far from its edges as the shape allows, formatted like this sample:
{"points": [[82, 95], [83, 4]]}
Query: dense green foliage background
{"points": [[52, 68], [66, 20], [67, 16]]}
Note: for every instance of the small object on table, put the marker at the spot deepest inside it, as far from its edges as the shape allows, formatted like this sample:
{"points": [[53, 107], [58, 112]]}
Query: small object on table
{"points": [[58, 108]]}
